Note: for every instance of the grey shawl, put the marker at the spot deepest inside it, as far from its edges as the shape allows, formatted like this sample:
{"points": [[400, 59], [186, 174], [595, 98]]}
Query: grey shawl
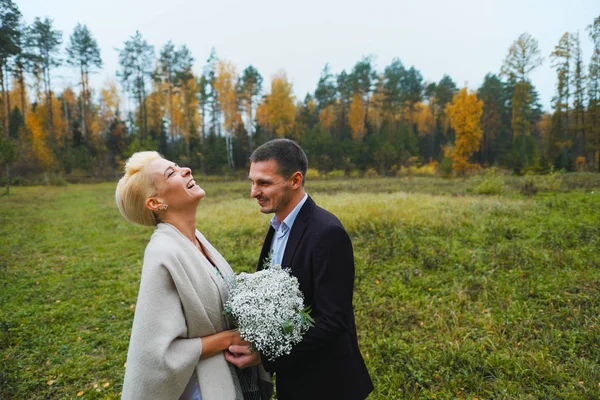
{"points": [[180, 300]]}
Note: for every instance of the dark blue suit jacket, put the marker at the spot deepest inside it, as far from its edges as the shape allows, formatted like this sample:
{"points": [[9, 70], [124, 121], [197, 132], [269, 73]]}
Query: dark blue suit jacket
{"points": [[327, 364]]}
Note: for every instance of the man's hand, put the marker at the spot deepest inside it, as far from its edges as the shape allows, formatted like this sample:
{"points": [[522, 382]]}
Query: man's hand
{"points": [[242, 356]]}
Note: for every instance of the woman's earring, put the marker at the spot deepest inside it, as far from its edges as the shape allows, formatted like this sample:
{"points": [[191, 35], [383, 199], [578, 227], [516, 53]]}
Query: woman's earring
{"points": [[165, 206]]}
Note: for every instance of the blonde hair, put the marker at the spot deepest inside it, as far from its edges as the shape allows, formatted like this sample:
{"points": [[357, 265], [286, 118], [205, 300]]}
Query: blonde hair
{"points": [[135, 187]]}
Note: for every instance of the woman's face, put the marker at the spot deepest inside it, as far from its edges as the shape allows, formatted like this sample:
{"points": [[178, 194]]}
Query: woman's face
{"points": [[175, 185]]}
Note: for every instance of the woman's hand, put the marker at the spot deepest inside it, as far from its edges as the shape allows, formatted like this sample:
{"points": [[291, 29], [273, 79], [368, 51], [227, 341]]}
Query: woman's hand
{"points": [[219, 342], [237, 340]]}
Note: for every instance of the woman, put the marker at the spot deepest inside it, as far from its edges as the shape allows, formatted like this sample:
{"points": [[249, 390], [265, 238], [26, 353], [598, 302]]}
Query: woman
{"points": [[179, 330]]}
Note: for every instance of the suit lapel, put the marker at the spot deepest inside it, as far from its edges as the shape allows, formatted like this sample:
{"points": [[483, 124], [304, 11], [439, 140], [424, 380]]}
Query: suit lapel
{"points": [[297, 231], [264, 253]]}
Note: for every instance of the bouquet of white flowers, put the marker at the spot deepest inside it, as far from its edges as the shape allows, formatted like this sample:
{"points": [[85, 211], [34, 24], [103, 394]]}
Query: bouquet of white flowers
{"points": [[268, 309]]}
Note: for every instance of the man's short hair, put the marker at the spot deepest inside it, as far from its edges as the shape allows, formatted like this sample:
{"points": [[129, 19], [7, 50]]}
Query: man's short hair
{"points": [[288, 155]]}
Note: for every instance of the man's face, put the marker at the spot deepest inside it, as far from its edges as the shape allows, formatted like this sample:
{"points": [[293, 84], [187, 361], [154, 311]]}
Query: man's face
{"points": [[271, 190]]}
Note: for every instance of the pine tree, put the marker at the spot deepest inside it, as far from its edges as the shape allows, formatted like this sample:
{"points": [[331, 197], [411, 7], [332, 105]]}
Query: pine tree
{"points": [[44, 42], [10, 46], [593, 89], [136, 60], [562, 59], [522, 58], [84, 53], [249, 89]]}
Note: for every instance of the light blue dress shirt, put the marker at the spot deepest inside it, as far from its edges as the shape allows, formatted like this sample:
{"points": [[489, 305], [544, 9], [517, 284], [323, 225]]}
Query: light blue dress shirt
{"points": [[282, 232]]}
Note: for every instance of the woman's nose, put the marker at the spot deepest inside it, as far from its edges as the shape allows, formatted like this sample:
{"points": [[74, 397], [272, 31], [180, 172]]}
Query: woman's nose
{"points": [[185, 171]]}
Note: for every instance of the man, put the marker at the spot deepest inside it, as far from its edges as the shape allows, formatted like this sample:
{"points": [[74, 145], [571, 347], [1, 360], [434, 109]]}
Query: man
{"points": [[327, 364]]}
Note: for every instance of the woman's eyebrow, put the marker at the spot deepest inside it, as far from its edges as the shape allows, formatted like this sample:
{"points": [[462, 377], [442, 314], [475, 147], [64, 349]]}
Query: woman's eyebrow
{"points": [[167, 169]]}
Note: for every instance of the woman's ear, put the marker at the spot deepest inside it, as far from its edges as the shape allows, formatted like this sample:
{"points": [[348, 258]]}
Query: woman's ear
{"points": [[153, 204]]}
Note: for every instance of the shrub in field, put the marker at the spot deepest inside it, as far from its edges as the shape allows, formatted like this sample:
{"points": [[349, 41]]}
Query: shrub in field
{"points": [[354, 173], [55, 180], [490, 182], [312, 173], [336, 173], [446, 167], [580, 180], [371, 173], [552, 181], [427, 170], [528, 187], [580, 164]]}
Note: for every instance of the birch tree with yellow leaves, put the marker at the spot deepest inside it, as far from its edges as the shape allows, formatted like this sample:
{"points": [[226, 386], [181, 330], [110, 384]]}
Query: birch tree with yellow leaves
{"points": [[465, 118], [356, 117], [277, 113], [226, 87]]}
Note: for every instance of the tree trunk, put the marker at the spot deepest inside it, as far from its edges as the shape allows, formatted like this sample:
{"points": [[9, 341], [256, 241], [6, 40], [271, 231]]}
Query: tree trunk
{"points": [[482, 149], [87, 95], [583, 147], [69, 134], [50, 113], [5, 101], [366, 122], [523, 157], [188, 150], [82, 102], [171, 127], [565, 149], [82, 109], [144, 112], [432, 133], [7, 167], [140, 111], [21, 80], [229, 145], [250, 126], [202, 123]]}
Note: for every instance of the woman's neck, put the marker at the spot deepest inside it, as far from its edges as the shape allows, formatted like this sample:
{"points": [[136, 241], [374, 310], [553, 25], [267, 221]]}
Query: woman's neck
{"points": [[186, 224]]}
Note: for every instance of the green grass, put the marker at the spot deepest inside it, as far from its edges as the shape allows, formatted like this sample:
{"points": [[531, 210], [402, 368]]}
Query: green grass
{"points": [[458, 294]]}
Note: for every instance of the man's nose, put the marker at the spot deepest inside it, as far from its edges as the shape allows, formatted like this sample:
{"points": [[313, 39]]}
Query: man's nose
{"points": [[254, 190]]}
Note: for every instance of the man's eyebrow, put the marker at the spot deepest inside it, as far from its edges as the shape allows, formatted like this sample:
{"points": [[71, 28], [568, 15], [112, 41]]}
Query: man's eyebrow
{"points": [[260, 181]]}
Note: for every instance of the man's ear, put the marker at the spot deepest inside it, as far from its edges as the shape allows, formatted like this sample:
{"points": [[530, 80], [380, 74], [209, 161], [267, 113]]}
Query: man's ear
{"points": [[296, 179], [153, 204]]}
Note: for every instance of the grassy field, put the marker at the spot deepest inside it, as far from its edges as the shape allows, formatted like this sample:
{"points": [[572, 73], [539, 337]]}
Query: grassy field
{"points": [[458, 294]]}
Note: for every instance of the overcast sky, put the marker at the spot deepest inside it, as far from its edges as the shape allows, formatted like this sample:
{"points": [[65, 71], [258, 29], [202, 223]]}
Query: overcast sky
{"points": [[462, 38]]}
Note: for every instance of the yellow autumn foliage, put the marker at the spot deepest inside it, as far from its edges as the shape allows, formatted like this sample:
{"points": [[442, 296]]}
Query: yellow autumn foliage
{"points": [[189, 107], [327, 117], [423, 118], [109, 105], [356, 117], [155, 107], [277, 112], [375, 114], [464, 114], [39, 142], [17, 98], [58, 126], [226, 85]]}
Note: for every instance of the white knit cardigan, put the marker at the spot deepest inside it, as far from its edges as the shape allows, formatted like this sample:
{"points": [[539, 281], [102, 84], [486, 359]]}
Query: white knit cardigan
{"points": [[180, 300]]}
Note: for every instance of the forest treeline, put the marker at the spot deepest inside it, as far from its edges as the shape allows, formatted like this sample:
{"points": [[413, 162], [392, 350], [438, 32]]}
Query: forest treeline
{"points": [[359, 121]]}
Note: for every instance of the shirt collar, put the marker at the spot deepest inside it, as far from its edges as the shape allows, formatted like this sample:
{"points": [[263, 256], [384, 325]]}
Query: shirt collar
{"points": [[289, 220]]}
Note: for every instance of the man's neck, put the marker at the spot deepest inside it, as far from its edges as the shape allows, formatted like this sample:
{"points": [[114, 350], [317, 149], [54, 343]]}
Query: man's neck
{"points": [[297, 197]]}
